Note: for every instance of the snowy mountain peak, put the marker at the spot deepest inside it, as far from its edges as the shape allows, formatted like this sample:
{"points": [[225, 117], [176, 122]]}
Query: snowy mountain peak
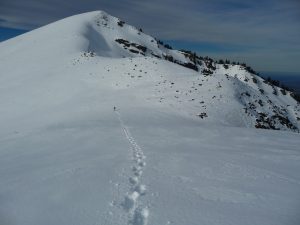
{"points": [[123, 56]]}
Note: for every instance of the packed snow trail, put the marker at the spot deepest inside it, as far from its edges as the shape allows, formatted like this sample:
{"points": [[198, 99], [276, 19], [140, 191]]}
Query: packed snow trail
{"points": [[137, 213]]}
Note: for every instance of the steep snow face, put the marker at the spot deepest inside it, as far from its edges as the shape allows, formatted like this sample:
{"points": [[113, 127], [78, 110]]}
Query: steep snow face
{"points": [[90, 137], [217, 93], [95, 32]]}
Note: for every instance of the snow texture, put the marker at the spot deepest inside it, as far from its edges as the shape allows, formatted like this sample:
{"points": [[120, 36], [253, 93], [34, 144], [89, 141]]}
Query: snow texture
{"points": [[101, 124]]}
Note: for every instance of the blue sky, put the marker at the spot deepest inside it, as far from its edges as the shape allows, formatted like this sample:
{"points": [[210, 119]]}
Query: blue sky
{"points": [[6, 33], [263, 33]]}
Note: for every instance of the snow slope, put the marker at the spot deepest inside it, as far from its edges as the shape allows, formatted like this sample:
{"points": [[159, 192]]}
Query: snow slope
{"points": [[176, 151], [222, 94]]}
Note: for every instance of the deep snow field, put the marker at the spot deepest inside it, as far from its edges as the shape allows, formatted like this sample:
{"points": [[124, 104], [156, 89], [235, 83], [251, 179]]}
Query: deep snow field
{"points": [[67, 157]]}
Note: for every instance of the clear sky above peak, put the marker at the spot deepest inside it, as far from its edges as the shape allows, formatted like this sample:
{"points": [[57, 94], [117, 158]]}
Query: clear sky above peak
{"points": [[265, 34]]}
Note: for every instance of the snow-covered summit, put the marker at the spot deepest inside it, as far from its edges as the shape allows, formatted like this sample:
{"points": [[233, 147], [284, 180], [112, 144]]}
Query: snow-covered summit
{"points": [[225, 94], [96, 32]]}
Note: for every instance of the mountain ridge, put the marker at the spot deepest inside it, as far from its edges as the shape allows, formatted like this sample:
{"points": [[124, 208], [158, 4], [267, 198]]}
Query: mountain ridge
{"points": [[96, 35]]}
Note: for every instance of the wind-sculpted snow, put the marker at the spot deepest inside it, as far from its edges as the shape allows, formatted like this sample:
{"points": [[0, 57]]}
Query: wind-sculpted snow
{"points": [[180, 147]]}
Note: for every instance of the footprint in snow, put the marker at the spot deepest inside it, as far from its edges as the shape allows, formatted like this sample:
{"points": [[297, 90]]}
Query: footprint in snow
{"points": [[130, 201]]}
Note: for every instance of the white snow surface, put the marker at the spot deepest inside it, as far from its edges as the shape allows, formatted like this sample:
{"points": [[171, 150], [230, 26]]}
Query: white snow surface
{"points": [[67, 157]]}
